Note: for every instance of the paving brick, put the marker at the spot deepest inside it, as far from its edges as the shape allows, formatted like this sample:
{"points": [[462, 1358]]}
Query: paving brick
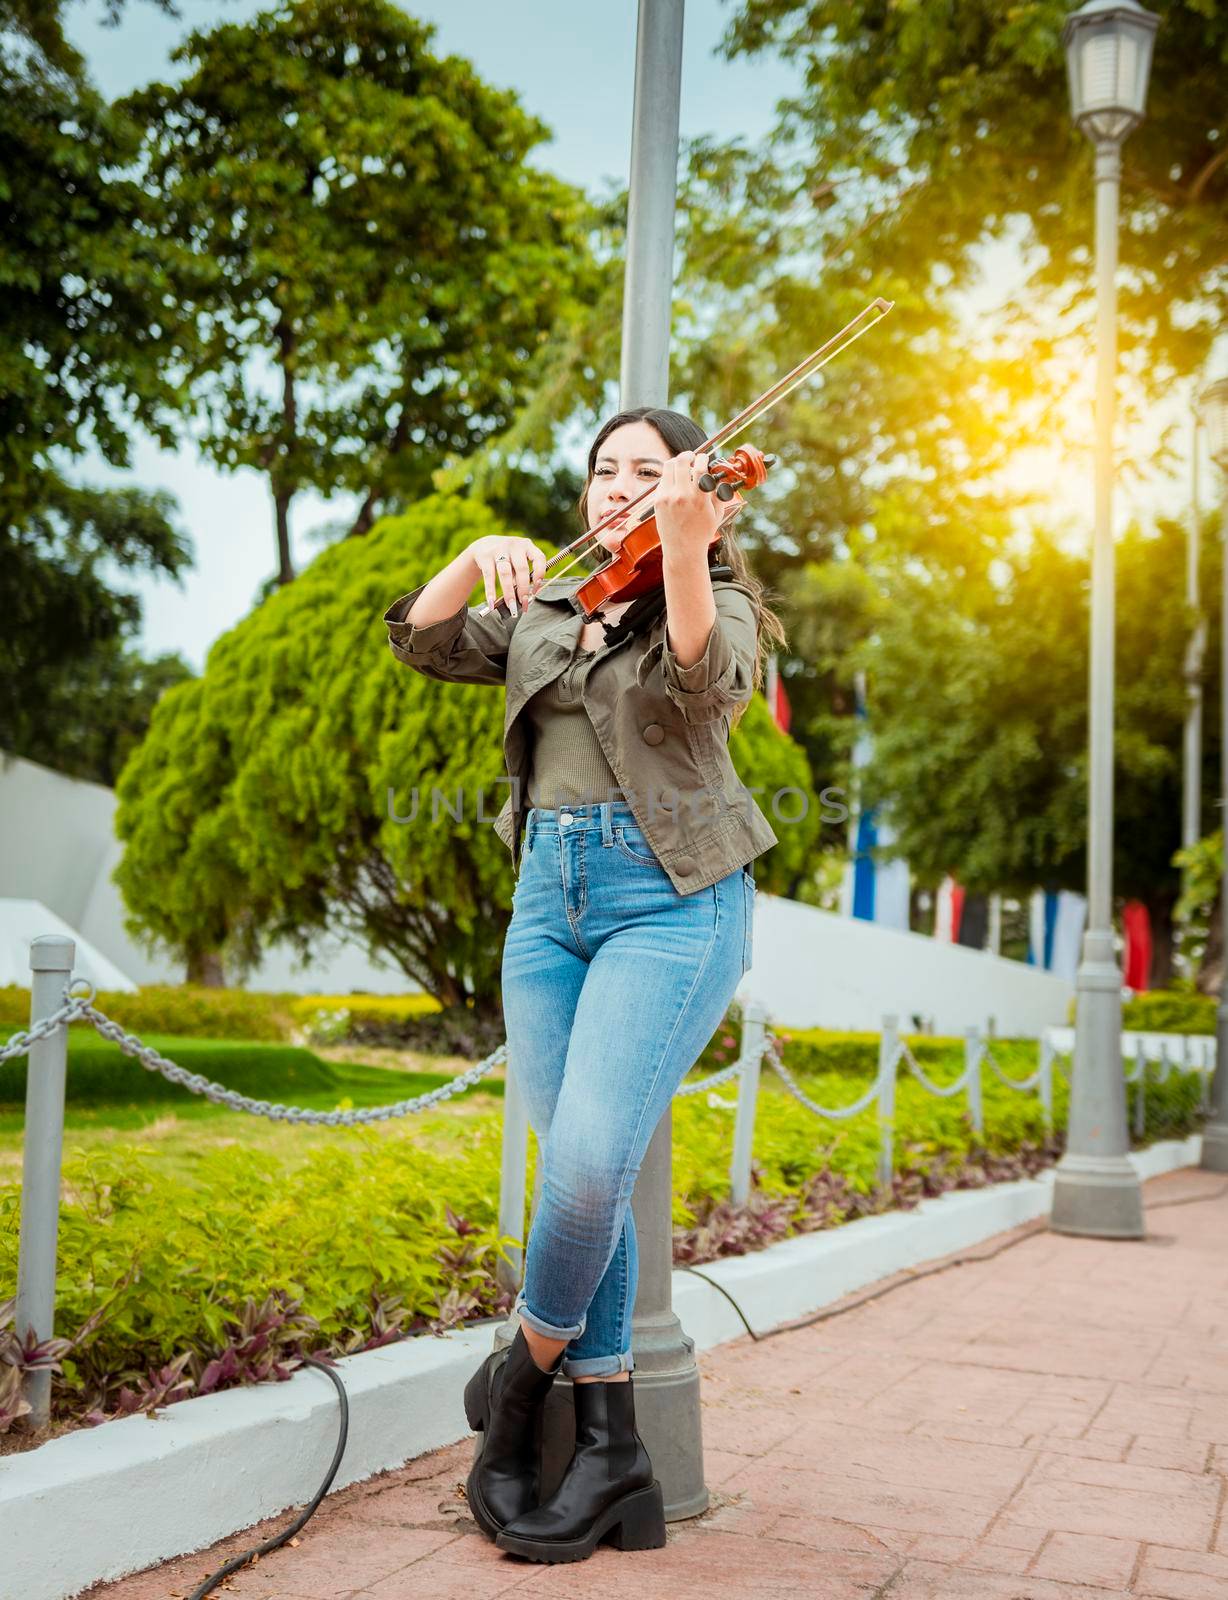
{"points": [[1184, 1455], [1084, 1558], [926, 1580], [1117, 1501], [1182, 1575]]}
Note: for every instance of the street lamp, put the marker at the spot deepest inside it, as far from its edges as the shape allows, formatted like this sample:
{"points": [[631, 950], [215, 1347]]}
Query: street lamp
{"points": [[1096, 1189], [1215, 1134], [1214, 404]]}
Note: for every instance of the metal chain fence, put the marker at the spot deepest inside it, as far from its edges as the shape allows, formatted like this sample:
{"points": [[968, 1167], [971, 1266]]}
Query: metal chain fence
{"points": [[45, 1106]]}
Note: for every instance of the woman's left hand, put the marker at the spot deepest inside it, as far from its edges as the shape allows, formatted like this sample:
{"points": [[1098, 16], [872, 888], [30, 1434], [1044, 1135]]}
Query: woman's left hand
{"points": [[687, 517]]}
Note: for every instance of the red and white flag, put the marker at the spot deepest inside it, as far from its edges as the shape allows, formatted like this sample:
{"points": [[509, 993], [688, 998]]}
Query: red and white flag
{"points": [[777, 699]]}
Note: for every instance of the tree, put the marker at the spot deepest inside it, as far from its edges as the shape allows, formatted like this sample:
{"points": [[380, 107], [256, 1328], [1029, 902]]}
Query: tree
{"points": [[74, 284], [978, 704], [264, 803], [69, 695], [923, 132], [74, 295], [362, 271]]}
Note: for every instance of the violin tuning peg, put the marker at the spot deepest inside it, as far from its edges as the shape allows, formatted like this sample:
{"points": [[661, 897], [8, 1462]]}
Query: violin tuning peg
{"points": [[724, 491], [769, 461], [706, 482]]}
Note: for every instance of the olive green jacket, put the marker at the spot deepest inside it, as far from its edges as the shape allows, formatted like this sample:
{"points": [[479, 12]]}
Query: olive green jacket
{"points": [[664, 728]]}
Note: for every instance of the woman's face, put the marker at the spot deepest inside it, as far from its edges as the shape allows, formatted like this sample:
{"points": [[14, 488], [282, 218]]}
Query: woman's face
{"points": [[628, 462]]}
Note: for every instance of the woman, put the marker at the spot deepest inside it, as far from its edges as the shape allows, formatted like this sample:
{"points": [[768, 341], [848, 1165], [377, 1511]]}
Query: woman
{"points": [[631, 927]]}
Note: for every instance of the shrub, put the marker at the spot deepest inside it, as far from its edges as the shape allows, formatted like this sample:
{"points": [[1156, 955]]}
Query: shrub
{"points": [[1169, 1011]]}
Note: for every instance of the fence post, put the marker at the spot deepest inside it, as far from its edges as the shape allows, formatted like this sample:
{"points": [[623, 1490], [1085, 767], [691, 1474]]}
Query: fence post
{"points": [[750, 1059], [888, 1047], [1046, 1078], [51, 961], [1207, 1072], [1140, 1096], [972, 1073]]}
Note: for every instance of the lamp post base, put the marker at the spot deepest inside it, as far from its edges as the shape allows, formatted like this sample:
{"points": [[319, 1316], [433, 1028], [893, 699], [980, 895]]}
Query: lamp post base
{"points": [[1097, 1196], [1214, 1148]]}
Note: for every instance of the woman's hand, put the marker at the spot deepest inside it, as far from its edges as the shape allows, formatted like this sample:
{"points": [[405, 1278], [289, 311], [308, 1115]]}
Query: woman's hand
{"points": [[687, 516], [507, 557]]}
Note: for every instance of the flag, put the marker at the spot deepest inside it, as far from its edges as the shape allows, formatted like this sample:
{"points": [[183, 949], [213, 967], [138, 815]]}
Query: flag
{"points": [[874, 890], [948, 910], [1136, 921], [777, 699], [1056, 931]]}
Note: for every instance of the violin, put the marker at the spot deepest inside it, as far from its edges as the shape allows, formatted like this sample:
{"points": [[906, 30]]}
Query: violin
{"points": [[635, 568]]}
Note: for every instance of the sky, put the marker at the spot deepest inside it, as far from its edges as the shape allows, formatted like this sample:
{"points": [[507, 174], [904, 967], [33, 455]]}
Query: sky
{"points": [[578, 80]]}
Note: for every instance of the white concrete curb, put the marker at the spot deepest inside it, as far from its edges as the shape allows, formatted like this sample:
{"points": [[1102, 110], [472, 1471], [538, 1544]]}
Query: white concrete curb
{"points": [[104, 1502]]}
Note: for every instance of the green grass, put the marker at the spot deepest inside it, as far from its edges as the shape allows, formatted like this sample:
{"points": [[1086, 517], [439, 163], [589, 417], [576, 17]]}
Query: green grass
{"points": [[111, 1099]]}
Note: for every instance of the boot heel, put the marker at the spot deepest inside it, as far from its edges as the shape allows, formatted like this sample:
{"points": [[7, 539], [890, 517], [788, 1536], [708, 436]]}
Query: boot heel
{"points": [[642, 1524], [476, 1400]]}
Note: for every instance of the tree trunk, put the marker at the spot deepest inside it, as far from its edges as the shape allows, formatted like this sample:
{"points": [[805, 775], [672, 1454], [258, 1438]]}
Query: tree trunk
{"points": [[285, 568], [205, 967], [283, 492], [365, 520]]}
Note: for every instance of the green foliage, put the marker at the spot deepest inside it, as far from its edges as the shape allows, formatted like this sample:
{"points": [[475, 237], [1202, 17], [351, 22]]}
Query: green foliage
{"points": [[333, 200], [260, 806], [1162, 1011], [73, 293], [1198, 908], [151, 1269], [981, 741], [922, 133], [208, 1013]]}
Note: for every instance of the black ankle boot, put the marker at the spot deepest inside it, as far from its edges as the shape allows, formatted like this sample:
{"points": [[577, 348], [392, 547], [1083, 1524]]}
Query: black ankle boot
{"points": [[503, 1402], [608, 1489]]}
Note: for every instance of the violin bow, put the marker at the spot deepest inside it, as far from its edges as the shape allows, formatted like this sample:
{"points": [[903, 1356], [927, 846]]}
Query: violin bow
{"points": [[852, 331]]}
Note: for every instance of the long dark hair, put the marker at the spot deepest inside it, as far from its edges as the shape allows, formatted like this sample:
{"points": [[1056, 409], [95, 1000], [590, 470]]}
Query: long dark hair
{"points": [[680, 433]]}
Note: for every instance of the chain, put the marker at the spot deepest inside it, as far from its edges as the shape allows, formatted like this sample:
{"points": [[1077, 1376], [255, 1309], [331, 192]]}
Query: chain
{"points": [[1022, 1084], [771, 1054], [79, 1007], [903, 1053]]}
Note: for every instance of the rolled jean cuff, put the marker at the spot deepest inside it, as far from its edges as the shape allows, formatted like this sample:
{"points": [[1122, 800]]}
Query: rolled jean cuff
{"points": [[548, 1330], [597, 1366]]}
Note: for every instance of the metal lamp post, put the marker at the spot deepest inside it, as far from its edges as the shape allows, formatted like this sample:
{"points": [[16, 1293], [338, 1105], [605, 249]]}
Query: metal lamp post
{"points": [[1215, 1134], [1096, 1189], [1191, 798]]}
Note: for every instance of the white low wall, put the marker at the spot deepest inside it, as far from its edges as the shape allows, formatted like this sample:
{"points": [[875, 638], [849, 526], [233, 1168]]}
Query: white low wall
{"points": [[107, 1501], [58, 846], [813, 969]]}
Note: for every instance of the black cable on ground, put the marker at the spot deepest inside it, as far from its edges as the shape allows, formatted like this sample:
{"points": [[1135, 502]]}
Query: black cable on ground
{"points": [[1040, 1226], [236, 1562]]}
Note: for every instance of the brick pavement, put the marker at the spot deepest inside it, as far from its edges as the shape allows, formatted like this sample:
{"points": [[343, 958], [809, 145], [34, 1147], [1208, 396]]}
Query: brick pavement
{"points": [[1049, 1425]]}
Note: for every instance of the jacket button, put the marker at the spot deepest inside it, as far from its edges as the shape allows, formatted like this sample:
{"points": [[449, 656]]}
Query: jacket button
{"points": [[684, 866], [654, 733]]}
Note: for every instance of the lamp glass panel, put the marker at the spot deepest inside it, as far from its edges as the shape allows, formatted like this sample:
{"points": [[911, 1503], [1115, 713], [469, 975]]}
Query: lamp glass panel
{"points": [[1215, 416], [1102, 62]]}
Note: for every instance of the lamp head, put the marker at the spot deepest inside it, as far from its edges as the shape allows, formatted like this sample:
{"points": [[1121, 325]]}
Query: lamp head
{"points": [[1213, 403], [1108, 63]]}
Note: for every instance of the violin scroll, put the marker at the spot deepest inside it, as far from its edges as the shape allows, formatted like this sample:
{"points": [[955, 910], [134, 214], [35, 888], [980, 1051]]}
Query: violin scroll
{"points": [[746, 468]]}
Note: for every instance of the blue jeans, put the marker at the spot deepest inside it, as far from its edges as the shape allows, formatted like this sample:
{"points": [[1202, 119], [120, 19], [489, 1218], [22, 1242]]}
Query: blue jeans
{"points": [[613, 983]]}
